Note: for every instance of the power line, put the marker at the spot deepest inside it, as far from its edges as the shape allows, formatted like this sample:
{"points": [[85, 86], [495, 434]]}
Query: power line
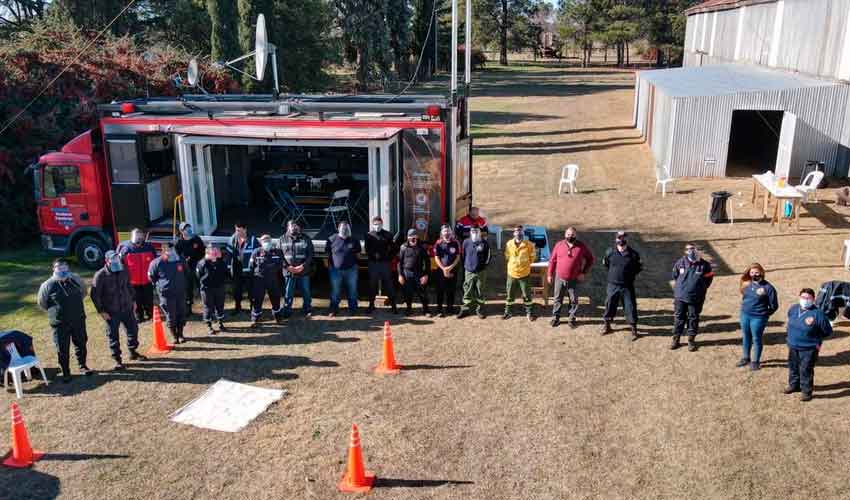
{"points": [[66, 68], [421, 55]]}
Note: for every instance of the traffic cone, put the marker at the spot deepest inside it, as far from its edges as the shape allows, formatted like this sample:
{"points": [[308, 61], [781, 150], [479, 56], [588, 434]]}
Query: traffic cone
{"points": [[22, 454], [356, 479], [160, 346], [388, 365]]}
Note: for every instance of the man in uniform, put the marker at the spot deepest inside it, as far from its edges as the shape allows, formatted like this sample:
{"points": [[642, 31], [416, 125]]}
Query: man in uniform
{"points": [[414, 264], [569, 263], [380, 248], [137, 255], [447, 253], [190, 247], [212, 273], [266, 266], [476, 257], [468, 221], [623, 264], [62, 297], [342, 250], [168, 273], [693, 276], [242, 245], [112, 296], [519, 255], [298, 260]]}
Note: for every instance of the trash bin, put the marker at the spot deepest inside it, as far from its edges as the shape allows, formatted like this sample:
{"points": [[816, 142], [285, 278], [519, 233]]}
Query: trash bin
{"points": [[718, 212]]}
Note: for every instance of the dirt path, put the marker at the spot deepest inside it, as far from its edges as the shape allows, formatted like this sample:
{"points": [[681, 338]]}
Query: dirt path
{"points": [[494, 409]]}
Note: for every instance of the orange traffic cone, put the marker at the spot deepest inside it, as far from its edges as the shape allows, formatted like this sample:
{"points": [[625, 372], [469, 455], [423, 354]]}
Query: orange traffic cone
{"points": [[356, 479], [388, 365], [160, 346], [22, 454]]}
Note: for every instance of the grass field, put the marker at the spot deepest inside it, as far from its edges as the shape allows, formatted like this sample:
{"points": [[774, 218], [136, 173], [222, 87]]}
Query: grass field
{"points": [[489, 409]]}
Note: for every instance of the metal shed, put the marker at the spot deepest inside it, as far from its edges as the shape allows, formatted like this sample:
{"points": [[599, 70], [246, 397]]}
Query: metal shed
{"points": [[686, 115]]}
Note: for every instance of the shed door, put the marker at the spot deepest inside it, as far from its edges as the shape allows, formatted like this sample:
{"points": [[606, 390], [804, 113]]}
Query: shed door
{"points": [[786, 144]]}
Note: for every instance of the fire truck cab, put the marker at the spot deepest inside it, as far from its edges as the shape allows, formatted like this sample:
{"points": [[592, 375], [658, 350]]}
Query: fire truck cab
{"points": [[213, 161]]}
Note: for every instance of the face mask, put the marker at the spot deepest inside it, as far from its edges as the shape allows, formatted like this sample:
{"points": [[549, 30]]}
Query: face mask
{"points": [[138, 239], [172, 255], [377, 227], [475, 236], [519, 236], [571, 239], [345, 231], [187, 233], [61, 273], [755, 277], [691, 254], [805, 303], [115, 266], [621, 243], [412, 241], [212, 257], [267, 245], [446, 235], [295, 231]]}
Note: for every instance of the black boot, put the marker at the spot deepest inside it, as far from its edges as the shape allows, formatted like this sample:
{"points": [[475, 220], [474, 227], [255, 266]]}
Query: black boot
{"points": [[606, 327], [634, 332], [175, 334], [675, 344], [221, 327], [394, 308], [119, 366], [371, 308], [210, 330], [692, 343]]}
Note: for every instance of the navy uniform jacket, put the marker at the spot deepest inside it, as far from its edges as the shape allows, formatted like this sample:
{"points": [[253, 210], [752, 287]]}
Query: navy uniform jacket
{"points": [[241, 254], [476, 255], [211, 275], [807, 327], [623, 268], [169, 277], [759, 299], [63, 301], [692, 280], [267, 266]]}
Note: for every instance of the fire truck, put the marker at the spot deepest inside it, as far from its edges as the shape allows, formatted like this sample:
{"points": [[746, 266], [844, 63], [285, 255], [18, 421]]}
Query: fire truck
{"points": [[213, 160]]}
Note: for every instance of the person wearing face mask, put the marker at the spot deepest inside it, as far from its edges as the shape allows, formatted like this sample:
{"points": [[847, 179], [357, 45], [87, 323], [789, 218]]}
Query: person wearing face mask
{"points": [[465, 224], [380, 247], [519, 255], [447, 253], [112, 296], [807, 327], [168, 273], [266, 265], [759, 302], [242, 245], [62, 297], [692, 276], [476, 257], [137, 255], [212, 273], [413, 268], [569, 263], [298, 254], [343, 249], [623, 264], [190, 247]]}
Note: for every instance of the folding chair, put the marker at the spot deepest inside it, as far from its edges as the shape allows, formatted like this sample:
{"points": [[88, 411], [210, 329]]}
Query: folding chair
{"points": [[279, 204], [338, 205], [19, 364]]}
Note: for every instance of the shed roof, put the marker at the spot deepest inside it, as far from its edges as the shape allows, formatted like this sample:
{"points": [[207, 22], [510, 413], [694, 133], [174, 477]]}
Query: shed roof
{"points": [[725, 79], [713, 5]]}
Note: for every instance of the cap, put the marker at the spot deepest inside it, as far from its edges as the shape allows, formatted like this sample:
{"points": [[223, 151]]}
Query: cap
{"points": [[621, 234], [411, 232], [184, 225], [265, 237]]}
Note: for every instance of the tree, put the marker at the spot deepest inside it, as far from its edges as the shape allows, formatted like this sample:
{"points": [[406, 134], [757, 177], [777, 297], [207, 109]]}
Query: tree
{"points": [[498, 17], [424, 34], [224, 37], [581, 20], [367, 38], [398, 24], [300, 30], [665, 27]]}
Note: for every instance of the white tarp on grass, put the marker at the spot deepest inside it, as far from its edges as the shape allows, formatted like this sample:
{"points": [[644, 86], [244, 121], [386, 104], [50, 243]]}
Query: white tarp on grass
{"points": [[227, 406]]}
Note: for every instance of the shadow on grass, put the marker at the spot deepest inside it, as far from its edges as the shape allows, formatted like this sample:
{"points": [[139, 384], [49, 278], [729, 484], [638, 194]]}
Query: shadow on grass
{"points": [[434, 367], [79, 457], [28, 484], [386, 482]]}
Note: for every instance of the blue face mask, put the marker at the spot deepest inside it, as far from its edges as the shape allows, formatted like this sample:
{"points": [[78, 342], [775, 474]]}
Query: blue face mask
{"points": [[115, 266], [62, 274]]}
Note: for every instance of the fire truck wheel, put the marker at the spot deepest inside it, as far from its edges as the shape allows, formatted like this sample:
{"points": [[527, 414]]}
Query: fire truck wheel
{"points": [[89, 251]]}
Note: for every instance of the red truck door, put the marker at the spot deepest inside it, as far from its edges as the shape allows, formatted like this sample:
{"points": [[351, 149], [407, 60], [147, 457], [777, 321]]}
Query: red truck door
{"points": [[63, 204]]}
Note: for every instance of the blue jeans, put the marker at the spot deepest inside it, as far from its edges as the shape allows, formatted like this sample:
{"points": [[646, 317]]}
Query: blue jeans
{"points": [[349, 278], [752, 330], [293, 282]]}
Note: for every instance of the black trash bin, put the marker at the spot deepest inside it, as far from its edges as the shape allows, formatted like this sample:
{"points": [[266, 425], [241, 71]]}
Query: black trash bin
{"points": [[718, 212]]}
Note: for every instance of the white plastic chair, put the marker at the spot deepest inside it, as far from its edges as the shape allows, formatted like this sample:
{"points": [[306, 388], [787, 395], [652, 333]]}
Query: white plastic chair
{"points": [[569, 174], [810, 185], [663, 177], [19, 364]]}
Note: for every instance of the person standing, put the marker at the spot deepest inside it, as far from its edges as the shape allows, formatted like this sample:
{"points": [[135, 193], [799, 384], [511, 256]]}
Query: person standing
{"points": [[112, 296], [476, 257], [190, 247], [266, 265], [380, 248], [298, 261], [342, 264], [137, 255], [212, 273], [447, 252], [519, 255], [692, 276], [623, 264], [570, 262], [62, 297], [465, 224], [168, 273], [807, 327], [414, 264], [759, 302], [242, 245]]}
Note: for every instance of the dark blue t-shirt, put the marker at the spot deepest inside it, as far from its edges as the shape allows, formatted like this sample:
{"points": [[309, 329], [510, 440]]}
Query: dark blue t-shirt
{"points": [[447, 251], [343, 252]]}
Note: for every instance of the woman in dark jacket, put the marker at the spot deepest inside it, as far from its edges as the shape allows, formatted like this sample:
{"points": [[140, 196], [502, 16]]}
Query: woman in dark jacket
{"points": [[758, 303]]}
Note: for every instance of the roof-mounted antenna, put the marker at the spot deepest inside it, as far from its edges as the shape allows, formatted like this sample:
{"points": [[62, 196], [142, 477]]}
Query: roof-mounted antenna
{"points": [[262, 50], [193, 75]]}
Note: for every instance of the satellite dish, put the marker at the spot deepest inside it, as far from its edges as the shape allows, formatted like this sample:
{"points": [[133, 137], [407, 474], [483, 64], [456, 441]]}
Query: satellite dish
{"points": [[193, 72], [261, 47]]}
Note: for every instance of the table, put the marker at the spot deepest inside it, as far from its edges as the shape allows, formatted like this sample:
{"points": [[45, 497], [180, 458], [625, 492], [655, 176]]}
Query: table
{"points": [[767, 183], [540, 267]]}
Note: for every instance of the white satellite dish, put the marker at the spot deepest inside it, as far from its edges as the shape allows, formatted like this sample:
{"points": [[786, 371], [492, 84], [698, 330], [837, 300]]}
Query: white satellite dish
{"points": [[261, 47], [192, 75]]}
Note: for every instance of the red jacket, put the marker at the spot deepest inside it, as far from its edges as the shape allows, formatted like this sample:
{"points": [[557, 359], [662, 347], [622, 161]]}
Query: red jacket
{"points": [[137, 259], [567, 263]]}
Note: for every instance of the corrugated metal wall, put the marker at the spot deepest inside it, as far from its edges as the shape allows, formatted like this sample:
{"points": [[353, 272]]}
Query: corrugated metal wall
{"points": [[813, 34], [641, 100], [662, 116], [756, 34]]}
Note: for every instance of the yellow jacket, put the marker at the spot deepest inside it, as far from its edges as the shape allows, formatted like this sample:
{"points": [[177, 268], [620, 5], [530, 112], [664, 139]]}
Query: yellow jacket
{"points": [[519, 257]]}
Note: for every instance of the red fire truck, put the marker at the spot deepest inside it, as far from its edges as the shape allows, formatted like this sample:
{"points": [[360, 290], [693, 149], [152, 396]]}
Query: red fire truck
{"points": [[213, 160]]}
